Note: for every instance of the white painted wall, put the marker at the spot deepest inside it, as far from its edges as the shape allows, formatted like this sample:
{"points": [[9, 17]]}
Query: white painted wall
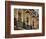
{"points": [[2, 20]]}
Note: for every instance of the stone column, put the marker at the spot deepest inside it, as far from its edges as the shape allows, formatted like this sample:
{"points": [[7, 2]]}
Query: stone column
{"points": [[22, 15]]}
